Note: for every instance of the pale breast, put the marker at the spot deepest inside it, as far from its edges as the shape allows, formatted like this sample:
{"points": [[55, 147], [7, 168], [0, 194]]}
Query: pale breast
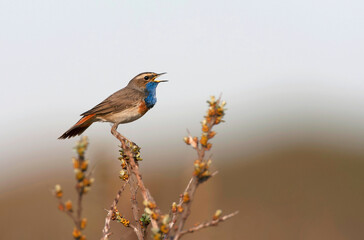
{"points": [[125, 116]]}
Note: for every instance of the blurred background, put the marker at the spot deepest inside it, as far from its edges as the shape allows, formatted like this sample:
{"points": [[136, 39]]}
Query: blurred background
{"points": [[290, 155]]}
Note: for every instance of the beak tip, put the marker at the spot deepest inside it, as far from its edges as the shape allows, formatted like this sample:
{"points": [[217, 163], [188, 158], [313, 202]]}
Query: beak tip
{"points": [[159, 74]]}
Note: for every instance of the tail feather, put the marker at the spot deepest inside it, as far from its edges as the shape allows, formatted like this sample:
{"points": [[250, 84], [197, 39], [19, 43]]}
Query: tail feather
{"points": [[79, 127]]}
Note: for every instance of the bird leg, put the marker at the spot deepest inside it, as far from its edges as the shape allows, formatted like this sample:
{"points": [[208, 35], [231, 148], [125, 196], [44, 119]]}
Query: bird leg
{"points": [[119, 136]]}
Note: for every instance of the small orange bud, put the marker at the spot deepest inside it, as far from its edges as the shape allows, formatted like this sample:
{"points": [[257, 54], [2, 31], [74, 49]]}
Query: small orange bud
{"points": [[152, 205], [84, 165], [125, 177], [83, 223], [202, 165], [206, 173], [68, 205], [123, 164], [76, 163], [205, 128], [157, 236], [86, 182], [203, 140], [61, 207], [59, 194], [76, 233], [80, 151], [83, 237], [180, 209], [125, 222], [174, 207], [58, 191], [164, 229], [211, 112], [113, 216], [79, 175], [186, 197], [187, 140], [211, 134], [209, 145], [155, 216]]}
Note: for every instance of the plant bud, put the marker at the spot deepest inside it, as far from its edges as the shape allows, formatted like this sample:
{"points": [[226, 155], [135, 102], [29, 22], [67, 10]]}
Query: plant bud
{"points": [[76, 233], [83, 223], [186, 197], [68, 205], [217, 214]]}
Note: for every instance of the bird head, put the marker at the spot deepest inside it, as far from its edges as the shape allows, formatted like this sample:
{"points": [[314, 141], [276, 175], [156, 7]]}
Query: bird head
{"points": [[141, 80]]}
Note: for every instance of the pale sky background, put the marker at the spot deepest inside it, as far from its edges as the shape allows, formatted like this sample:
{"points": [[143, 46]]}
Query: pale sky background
{"points": [[288, 70]]}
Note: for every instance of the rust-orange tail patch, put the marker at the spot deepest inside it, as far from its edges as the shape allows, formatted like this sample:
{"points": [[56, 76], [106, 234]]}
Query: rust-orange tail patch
{"points": [[84, 119], [79, 127]]}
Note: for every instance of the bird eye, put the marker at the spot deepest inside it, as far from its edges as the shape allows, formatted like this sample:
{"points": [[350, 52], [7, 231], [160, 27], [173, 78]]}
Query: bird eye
{"points": [[146, 77]]}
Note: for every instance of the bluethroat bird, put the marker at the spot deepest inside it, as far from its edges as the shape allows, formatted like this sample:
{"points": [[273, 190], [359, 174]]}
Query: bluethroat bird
{"points": [[124, 106]]}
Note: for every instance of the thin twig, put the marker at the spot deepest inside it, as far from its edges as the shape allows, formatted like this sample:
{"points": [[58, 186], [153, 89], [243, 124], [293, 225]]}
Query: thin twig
{"points": [[79, 208], [145, 192], [134, 207], [134, 228], [106, 231], [81, 192], [68, 212], [187, 209], [208, 224], [175, 214]]}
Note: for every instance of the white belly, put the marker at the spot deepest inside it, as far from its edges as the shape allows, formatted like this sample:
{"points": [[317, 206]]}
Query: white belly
{"points": [[125, 116]]}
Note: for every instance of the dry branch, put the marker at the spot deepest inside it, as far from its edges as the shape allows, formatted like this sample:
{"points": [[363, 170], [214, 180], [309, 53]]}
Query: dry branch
{"points": [[208, 224], [106, 231], [84, 181], [201, 172]]}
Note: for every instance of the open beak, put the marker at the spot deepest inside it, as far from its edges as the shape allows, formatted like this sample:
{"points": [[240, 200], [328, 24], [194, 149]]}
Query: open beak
{"points": [[158, 75]]}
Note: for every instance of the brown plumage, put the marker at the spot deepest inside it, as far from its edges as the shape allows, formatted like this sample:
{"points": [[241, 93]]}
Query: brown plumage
{"points": [[125, 105]]}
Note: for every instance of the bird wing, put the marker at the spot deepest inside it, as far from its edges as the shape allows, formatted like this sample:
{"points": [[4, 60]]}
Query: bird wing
{"points": [[117, 102]]}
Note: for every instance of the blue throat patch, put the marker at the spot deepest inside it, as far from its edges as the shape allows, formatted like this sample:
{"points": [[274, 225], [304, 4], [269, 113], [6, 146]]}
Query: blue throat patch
{"points": [[151, 98]]}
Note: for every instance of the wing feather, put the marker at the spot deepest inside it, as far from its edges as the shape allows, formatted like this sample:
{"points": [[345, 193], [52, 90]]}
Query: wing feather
{"points": [[117, 102]]}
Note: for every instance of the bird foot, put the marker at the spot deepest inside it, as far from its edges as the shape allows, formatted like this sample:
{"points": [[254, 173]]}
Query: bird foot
{"points": [[121, 137]]}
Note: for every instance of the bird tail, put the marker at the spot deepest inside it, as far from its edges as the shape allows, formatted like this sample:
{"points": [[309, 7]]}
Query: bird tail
{"points": [[79, 127]]}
